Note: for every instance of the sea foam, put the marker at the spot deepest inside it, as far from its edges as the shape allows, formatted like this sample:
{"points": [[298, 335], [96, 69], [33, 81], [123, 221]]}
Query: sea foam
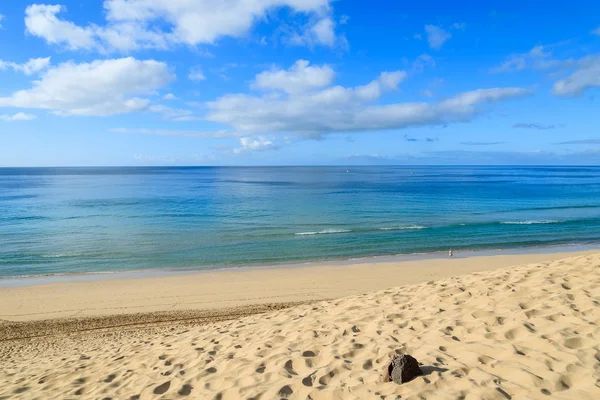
{"points": [[403, 228], [530, 222], [323, 232]]}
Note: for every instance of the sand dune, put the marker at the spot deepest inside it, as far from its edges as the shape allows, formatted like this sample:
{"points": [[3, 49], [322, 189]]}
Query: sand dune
{"points": [[522, 332]]}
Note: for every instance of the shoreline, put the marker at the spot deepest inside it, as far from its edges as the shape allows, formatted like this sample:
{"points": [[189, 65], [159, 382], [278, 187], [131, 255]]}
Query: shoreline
{"points": [[231, 288], [60, 277]]}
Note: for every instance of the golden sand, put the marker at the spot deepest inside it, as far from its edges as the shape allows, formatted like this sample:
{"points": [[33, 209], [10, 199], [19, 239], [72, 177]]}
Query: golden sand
{"points": [[529, 331]]}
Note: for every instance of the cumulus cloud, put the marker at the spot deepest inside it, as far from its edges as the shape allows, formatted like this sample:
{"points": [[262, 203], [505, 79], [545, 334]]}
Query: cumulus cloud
{"points": [[585, 76], [436, 36], [324, 31], [299, 78], [17, 117], [259, 143], [313, 113], [170, 96], [102, 87], [32, 66], [533, 126], [319, 32], [137, 24], [41, 20]]}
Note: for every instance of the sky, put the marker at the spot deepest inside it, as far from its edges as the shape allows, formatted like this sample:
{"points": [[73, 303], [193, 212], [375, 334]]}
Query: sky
{"points": [[299, 82]]}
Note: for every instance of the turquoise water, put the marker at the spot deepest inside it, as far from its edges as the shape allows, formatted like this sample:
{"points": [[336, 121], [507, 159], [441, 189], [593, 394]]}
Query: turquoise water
{"points": [[65, 220]]}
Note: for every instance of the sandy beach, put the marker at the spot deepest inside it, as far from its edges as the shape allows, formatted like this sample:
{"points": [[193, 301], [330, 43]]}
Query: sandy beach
{"points": [[497, 327]]}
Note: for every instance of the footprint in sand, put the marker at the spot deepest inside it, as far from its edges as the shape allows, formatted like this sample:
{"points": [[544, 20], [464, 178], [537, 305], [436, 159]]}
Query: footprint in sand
{"points": [[324, 380], [308, 381], [289, 367], [161, 389], [21, 390], [285, 391], [574, 343], [185, 390]]}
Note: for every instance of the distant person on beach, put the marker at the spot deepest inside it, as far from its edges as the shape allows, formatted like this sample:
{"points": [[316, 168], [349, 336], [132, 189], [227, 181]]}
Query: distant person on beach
{"points": [[450, 253]]}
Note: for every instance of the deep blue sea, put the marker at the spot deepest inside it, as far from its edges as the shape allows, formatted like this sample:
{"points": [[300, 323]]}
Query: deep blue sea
{"points": [[65, 220]]}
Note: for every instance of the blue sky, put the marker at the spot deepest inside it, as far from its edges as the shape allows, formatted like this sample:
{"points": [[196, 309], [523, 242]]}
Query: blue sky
{"points": [[278, 82]]}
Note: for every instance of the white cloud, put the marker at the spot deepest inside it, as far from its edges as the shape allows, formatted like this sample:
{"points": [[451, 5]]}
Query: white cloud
{"points": [[324, 31], [196, 74], [391, 80], [174, 114], [318, 32], [535, 58], [258, 143], [102, 87], [340, 109], [596, 31], [585, 76], [17, 117], [436, 36], [299, 78], [170, 96], [459, 25], [30, 67], [1, 18], [41, 20], [423, 61], [136, 24]]}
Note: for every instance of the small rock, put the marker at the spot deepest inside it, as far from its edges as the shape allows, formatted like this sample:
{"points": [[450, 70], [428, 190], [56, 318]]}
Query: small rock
{"points": [[403, 368]]}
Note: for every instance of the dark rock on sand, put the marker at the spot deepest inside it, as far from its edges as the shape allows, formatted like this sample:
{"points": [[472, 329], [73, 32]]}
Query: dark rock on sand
{"points": [[403, 368]]}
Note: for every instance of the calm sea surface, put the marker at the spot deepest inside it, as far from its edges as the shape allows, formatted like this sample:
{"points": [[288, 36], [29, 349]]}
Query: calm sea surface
{"points": [[61, 220]]}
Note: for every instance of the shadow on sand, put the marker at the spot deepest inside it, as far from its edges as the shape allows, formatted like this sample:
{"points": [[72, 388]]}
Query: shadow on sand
{"points": [[428, 370]]}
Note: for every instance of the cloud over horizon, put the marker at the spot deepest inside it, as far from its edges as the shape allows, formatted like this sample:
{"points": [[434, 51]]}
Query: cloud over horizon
{"points": [[99, 88], [310, 109]]}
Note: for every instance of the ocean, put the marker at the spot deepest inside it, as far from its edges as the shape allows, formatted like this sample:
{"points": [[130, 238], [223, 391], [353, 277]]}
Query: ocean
{"points": [[74, 220]]}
